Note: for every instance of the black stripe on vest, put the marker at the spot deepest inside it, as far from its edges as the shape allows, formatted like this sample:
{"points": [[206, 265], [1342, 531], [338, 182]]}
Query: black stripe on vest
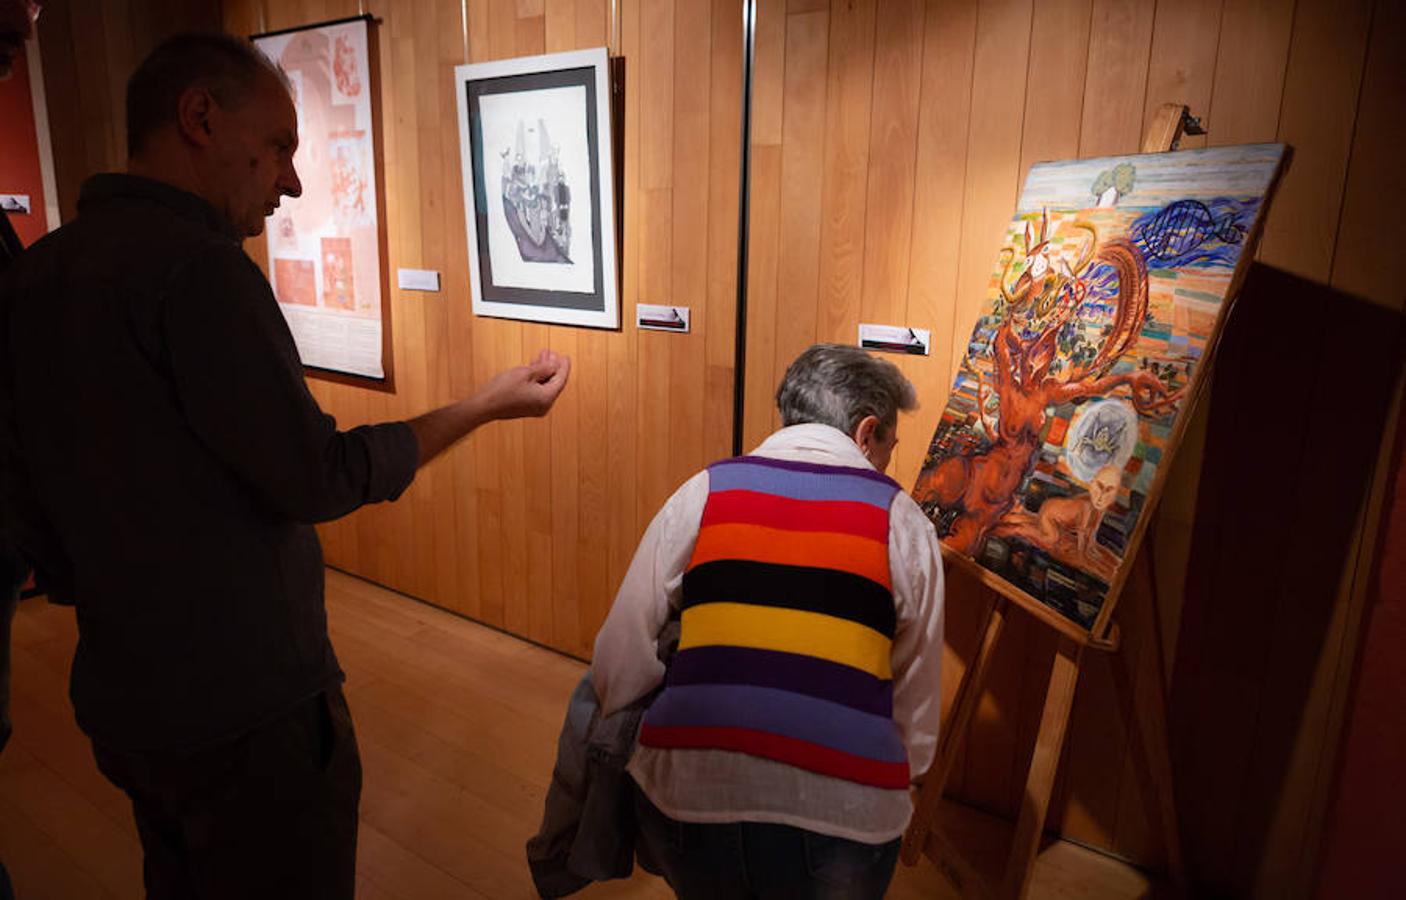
{"points": [[843, 595]]}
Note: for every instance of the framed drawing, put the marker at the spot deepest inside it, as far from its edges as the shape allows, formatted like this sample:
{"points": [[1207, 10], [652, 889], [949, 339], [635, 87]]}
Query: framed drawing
{"points": [[539, 197], [1108, 296], [325, 247]]}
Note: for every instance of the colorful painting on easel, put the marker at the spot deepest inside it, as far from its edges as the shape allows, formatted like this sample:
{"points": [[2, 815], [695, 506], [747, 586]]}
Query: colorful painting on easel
{"points": [[1109, 288]]}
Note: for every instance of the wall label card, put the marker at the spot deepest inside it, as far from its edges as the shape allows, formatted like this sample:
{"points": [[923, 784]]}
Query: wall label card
{"points": [[895, 339], [661, 318], [417, 279]]}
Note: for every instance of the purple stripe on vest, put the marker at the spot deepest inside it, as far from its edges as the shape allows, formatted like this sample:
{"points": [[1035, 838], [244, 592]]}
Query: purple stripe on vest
{"points": [[779, 712], [813, 468], [720, 664], [810, 484]]}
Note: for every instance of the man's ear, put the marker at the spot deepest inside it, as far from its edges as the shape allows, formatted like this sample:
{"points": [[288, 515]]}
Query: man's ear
{"points": [[196, 111], [864, 432]]}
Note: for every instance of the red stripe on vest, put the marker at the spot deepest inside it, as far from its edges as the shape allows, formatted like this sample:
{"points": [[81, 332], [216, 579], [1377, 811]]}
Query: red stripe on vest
{"points": [[795, 752], [771, 511]]}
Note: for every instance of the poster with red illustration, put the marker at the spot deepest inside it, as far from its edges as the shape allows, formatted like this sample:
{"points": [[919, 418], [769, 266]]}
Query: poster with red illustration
{"points": [[324, 246]]}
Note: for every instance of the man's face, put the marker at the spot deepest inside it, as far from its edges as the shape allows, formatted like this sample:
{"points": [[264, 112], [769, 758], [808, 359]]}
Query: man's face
{"points": [[881, 449], [1103, 490], [254, 153], [16, 25]]}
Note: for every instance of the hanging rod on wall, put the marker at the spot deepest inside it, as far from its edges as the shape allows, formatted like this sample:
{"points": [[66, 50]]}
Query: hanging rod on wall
{"points": [[739, 365], [464, 26], [613, 37]]}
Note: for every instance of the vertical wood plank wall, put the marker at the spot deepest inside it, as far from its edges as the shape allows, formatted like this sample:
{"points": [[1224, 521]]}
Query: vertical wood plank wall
{"points": [[88, 49], [529, 525], [890, 139]]}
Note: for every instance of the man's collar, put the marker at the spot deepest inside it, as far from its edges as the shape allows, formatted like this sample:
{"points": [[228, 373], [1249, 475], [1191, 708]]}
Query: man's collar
{"points": [[816, 437], [121, 186]]}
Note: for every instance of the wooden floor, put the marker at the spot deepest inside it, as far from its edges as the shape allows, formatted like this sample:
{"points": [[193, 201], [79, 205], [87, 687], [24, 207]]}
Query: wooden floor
{"points": [[457, 725]]}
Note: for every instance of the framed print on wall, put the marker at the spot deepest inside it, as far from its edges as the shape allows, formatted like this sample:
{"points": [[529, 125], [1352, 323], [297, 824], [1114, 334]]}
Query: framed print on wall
{"points": [[539, 197], [325, 248]]}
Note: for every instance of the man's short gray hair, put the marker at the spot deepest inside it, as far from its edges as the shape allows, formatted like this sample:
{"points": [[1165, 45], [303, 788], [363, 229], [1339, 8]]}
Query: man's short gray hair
{"points": [[228, 66], [838, 385]]}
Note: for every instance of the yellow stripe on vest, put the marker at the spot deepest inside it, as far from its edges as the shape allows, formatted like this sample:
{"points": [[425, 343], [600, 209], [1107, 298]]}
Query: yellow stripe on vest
{"points": [[789, 631]]}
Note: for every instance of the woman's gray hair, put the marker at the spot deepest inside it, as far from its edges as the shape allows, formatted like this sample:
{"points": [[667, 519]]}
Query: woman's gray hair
{"points": [[838, 385]]}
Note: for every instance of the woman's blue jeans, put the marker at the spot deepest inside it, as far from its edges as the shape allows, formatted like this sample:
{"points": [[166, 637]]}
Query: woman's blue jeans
{"points": [[761, 860]]}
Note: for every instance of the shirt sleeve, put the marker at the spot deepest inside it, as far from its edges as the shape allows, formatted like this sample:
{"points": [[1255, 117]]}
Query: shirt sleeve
{"points": [[915, 563], [26, 538], [240, 385], [625, 665]]}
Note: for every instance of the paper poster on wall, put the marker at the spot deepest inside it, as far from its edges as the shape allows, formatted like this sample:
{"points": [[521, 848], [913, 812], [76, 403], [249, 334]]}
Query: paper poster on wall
{"points": [[324, 246]]}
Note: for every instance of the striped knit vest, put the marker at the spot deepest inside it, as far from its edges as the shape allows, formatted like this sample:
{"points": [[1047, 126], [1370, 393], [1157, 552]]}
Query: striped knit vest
{"points": [[788, 623]]}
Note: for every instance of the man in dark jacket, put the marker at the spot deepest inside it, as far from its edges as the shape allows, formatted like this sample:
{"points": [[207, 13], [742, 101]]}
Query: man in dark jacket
{"points": [[16, 25], [166, 463], [13, 571]]}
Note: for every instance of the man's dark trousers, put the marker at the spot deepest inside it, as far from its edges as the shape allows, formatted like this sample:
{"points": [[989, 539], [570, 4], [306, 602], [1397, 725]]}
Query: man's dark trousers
{"points": [[271, 814]]}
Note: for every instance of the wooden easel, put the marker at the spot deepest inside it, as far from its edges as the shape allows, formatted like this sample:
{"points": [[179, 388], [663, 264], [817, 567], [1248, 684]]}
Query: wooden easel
{"points": [[924, 834]]}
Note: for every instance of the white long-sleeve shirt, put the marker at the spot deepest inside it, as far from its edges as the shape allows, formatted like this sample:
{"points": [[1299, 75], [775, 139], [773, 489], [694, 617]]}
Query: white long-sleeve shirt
{"points": [[695, 785]]}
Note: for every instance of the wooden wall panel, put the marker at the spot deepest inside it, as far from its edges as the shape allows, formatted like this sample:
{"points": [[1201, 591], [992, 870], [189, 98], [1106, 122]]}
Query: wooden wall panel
{"points": [[893, 139], [949, 34], [724, 208], [1255, 665], [529, 525], [89, 49], [848, 99], [1363, 241], [1120, 40], [807, 36], [765, 219]]}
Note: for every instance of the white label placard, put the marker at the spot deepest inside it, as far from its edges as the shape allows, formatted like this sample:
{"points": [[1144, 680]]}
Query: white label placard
{"points": [[895, 339], [14, 203], [661, 318], [418, 279]]}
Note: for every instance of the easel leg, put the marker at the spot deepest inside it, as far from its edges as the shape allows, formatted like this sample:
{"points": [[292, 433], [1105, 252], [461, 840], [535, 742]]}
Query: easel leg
{"points": [[950, 738], [1146, 711], [1049, 742]]}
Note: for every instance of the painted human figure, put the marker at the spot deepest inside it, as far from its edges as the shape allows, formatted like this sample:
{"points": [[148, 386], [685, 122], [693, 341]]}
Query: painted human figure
{"points": [[1066, 527]]}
